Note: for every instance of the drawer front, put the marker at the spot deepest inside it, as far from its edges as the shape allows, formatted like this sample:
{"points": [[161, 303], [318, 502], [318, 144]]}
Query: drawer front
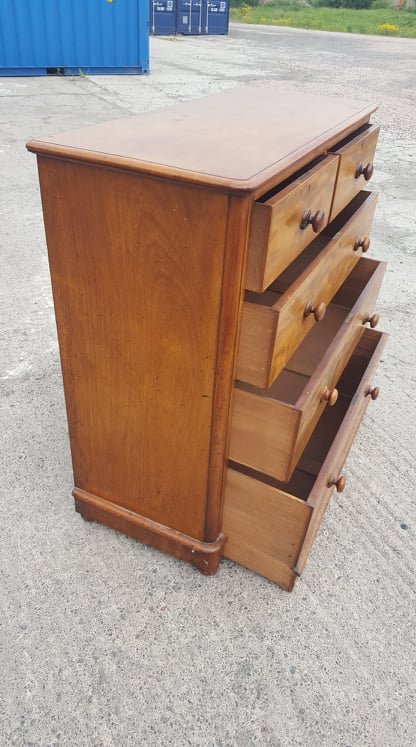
{"points": [[270, 333], [369, 352], [271, 526], [280, 228], [355, 167], [269, 433], [324, 379], [341, 325]]}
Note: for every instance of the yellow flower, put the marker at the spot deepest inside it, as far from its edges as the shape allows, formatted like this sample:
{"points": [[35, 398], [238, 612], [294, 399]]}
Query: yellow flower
{"points": [[388, 28]]}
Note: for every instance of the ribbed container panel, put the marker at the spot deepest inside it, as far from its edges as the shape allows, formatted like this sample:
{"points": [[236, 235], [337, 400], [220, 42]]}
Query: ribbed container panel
{"points": [[89, 36]]}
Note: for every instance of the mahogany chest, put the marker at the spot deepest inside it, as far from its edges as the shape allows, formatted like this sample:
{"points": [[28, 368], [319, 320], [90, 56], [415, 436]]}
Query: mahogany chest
{"points": [[215, 313]]}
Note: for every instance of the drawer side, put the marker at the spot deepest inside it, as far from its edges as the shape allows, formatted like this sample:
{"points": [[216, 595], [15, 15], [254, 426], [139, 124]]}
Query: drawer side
{"points": [[264, 531]]}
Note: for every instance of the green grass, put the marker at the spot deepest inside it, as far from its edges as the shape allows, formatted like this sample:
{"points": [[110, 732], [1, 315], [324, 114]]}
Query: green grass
{"points": [[296, 13]]}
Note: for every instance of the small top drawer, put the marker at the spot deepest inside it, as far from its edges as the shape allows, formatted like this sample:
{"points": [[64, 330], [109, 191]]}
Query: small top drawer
{"points": [[285, 221], [355, 166]]}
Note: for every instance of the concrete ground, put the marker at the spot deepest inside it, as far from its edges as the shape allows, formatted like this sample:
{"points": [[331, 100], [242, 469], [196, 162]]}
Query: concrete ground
{"points": [[107, 642]]}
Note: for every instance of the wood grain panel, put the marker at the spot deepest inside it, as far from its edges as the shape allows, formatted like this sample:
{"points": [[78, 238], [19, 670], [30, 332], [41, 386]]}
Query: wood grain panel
{"points": [[137, 284]]}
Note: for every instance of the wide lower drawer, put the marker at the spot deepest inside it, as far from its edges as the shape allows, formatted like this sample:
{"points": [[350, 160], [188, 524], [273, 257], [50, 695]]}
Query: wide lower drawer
{"points": [[270, 525], [355, 167], [275, 322], [286, 221], [270, 427]]}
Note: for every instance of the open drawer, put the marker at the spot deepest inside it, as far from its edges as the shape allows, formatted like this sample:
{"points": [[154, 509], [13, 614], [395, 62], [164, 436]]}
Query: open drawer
{"points": [[270, 427], [285, 221], [270, 525], [275, 322], [356, 155]]}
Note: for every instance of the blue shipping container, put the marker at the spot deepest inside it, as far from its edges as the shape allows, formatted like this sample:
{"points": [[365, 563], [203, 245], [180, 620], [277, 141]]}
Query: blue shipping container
{"points": [[40, 37], [203, 16], [217, 16], [163, 17]]}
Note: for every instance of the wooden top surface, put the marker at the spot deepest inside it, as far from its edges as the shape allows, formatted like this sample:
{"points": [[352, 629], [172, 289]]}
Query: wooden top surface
{"points": [[238, 139]]}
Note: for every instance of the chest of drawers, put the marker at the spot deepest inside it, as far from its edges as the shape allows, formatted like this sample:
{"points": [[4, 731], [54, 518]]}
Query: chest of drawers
{"points": [[215, 316]]}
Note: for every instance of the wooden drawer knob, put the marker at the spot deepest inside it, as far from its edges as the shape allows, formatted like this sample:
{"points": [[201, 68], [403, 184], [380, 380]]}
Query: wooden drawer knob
{"points": [[330, 396], [316, 221], [338, 482], [317, 311], [363, 244], [365, 171], [372, 392], [371, 320]]}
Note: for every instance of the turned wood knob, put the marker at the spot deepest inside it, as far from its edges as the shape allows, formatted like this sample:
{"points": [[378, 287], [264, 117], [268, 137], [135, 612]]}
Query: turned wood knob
{"points": [[338, 482], [330, 396], [372, 392], [317, 311], [372, 320], [365, 171], [363, 244], [316, 221]]}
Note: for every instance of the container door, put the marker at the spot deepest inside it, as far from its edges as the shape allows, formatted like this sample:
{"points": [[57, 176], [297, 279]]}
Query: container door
{"points": [[190, 17], [163, 17], [216, 16]]}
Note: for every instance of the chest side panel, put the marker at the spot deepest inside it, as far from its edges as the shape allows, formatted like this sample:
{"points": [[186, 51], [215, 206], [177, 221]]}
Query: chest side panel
{"points": [[136, 266]]}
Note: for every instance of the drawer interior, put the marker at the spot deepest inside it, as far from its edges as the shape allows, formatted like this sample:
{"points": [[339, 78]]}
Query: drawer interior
{"points": [[311, 351], [286, 183], [351, 377], [270, 296], [305, 169], [355, 283], [303, 478], [350, 138], [331, 421], [337, 223]]}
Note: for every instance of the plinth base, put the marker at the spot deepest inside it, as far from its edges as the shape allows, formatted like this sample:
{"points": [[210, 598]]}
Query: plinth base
{"points": [[205, 556]]}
